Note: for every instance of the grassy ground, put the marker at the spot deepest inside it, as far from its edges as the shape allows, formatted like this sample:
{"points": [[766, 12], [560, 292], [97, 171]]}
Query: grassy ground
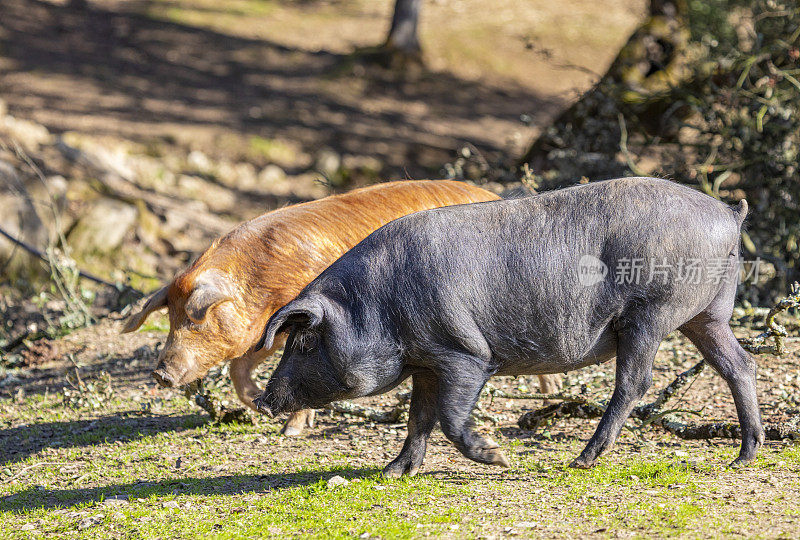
{"points": [[143, 461], [260, 82]]}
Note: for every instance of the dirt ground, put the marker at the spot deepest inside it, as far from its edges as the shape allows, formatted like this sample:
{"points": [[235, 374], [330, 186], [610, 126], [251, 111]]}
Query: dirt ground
{"points": [[650, 484], [196, 74], [91, 447]]}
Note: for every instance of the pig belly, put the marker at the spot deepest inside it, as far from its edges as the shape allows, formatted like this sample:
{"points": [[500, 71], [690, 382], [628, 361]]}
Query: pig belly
{"points": [[602, 349]]}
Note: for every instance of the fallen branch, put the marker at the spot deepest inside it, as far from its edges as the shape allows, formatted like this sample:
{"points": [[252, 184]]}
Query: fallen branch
{"points": [[392, 416], [666, 394], [774, 330], [218, 412], [86, 275]]}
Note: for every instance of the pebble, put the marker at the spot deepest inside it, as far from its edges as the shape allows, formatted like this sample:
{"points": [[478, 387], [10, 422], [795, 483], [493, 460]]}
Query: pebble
{"points": [[170, 504], [116, 500], [337, 481]]}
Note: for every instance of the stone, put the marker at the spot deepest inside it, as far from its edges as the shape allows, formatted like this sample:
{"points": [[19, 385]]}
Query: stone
{"points": [[270, 175], [116, 500], [103, 227], [29, 135], [328, 162], [20, 219], [199, 161], [337, 481]]}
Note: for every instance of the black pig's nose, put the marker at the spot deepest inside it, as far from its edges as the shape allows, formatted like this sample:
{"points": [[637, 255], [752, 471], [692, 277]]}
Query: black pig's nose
{"points": [[163, 378]]}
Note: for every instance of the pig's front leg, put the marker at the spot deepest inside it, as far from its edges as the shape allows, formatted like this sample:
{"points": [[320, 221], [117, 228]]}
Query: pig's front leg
{"points": [[421, 419], [460, 385], [636, 351], [241, 376], [247, 390]]}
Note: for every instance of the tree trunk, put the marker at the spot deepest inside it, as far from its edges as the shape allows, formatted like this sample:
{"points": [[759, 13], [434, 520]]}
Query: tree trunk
{"points": [[404, 35], [401, 52]]}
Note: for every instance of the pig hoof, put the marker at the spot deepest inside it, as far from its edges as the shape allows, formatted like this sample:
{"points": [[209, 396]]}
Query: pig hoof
{"points": [[291, 431], [400, 467], [581, 463], [495, 456], [740, 462]]}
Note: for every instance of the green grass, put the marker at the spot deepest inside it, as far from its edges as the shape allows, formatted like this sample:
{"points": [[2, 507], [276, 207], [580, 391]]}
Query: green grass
{"points": [[243, 480]]}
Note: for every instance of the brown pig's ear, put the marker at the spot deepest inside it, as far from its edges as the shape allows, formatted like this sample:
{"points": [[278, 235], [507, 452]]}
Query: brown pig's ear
{"points": [[204, 297], [306, 311], [157, 301]]}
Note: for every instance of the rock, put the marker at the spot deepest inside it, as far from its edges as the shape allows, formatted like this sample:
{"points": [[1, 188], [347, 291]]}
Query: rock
{"points": [[170, 504], [337, 481], [367, 165], [29, 135], [28, 527], [116, 500], [328, 162], [199, 161], [103, 227], [20, 219], [90, 521], [270, 175]]}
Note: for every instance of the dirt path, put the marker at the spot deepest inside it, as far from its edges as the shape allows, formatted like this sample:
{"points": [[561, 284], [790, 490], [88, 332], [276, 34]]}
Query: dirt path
{"points": [[192, 73]]}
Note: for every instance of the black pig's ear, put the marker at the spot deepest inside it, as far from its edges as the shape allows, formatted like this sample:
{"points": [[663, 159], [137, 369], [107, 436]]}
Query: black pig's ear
{"points": [[157, 301], [305, 311]]}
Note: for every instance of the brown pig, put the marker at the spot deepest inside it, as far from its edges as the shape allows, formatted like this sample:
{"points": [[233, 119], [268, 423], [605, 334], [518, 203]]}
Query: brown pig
{"points": [[218, 306]]}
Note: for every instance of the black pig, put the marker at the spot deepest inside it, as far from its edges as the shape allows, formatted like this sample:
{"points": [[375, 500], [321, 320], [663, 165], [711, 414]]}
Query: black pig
{"points": [[544, 284]]}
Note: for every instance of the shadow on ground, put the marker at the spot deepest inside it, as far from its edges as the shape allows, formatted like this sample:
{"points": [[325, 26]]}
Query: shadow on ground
{"points": [[18, 443], [37, 497], [117, 70]]}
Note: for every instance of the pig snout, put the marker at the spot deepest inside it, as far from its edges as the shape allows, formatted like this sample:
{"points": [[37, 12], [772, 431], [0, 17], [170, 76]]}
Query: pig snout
{"points": [[277, 397], [162, 377]]}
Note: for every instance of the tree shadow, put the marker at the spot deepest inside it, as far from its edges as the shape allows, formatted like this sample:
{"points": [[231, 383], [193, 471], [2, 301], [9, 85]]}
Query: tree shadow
{"points": [[119, 71], [35, 498], [18, 443]]}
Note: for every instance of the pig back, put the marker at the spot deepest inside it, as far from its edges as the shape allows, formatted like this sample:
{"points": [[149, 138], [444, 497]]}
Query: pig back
{"points": [[502, 279]]}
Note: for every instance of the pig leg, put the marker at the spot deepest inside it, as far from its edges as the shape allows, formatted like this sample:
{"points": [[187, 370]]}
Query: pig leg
{"points": [[421, 419], [636, 351], [297, 421], [550, 384], [458, 392], [247, 390], [722, 351], [241, 376]]}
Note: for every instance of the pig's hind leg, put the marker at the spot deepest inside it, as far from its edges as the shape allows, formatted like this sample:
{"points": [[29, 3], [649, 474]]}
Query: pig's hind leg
{"points": [[460, 385], [421, 419], [636, 350], [716, 342]]}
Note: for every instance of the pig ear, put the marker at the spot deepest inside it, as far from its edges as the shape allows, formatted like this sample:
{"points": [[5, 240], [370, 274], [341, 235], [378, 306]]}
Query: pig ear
{"points": [[204, 297], [305, 311], [157, 301]]}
